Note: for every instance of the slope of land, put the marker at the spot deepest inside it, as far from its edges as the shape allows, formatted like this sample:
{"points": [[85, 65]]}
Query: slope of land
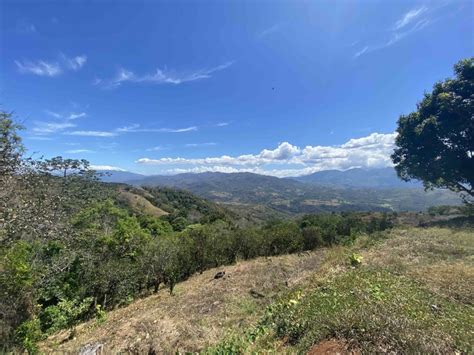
{"points": [[382, 178], [199, 312], [336, 191], [140, 204], [411, 293]]}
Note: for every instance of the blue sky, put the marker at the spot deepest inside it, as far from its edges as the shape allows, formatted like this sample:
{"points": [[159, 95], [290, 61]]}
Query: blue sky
{"points": [[281, 88]]}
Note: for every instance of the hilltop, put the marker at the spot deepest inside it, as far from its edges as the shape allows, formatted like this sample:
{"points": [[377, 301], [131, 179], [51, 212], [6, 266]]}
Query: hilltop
{"points": [[382, 178]]}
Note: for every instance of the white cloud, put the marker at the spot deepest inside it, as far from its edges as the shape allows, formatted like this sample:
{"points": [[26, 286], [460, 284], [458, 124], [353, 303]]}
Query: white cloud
{"points": [[54, 114], [135, 128], [268, 31], [44, 128], [362, 51], [75, 63], [195, 145], [155, 149], [40, 138], [222, 124], [411, 22], [397, 36], [370, 151], [160, 76], [79, 151], [409, 17], [70, 116], [51, 68], [73, 115], [92, 133], [41, 68], [106, 167], [284, 151]]}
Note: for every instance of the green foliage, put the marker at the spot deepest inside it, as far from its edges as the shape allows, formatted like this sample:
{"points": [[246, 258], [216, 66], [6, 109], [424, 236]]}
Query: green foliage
{"points": [[374, 310], [28, 334], [156, 227], [100, 314], [71, 249], [355, 259], [179, 224], [64, 314], [435, 143]]}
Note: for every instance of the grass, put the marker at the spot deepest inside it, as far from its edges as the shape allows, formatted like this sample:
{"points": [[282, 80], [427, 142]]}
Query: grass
{"points": [[411, 294], [140, 204], [198, 314]]}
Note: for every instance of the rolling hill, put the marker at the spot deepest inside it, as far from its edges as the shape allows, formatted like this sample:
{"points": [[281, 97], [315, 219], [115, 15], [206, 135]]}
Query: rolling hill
{"points": [[359, 178], [268, 196]]}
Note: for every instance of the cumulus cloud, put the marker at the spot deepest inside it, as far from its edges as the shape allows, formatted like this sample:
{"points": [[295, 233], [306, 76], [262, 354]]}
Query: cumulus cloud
{"points": [[370, 151], [159, 76], [106, 167]]}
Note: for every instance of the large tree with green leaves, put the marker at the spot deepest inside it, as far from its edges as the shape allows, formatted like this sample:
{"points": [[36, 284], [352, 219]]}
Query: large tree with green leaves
{"points": [[435, 143]]}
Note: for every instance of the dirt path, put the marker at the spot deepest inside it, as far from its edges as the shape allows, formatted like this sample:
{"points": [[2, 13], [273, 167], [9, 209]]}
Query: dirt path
{"points": [[201, 311]]}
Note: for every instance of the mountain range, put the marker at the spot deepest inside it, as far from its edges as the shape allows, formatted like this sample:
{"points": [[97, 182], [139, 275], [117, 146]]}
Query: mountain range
{"points": [[327, 191]]}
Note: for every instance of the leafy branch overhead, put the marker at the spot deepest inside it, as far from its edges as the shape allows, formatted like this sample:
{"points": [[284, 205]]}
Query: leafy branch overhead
{"points": [[436, 143]]}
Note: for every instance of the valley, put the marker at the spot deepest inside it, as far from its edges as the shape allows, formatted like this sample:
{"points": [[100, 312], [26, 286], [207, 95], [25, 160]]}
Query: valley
{"points": [[328, 191]]}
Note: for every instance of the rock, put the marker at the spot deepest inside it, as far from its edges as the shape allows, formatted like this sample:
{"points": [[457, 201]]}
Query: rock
{"points": [[256, 294], [219, 275], [92, 349]]}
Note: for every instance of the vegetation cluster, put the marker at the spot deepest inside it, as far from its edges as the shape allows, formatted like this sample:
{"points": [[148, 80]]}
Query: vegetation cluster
{"points": [[72, 248]]}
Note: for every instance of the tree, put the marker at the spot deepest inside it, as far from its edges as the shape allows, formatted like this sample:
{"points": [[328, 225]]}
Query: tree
{"points": [[435, 143], [11, 148]]}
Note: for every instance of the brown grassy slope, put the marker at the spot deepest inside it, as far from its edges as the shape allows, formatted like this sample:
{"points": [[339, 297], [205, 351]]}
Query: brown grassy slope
{"points": [[140, 204], [440, 258], [412, 293], [200, 312]]}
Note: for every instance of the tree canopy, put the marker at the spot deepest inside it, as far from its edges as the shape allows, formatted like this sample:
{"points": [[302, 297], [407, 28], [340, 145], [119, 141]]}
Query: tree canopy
{"points": [[435, 143]]}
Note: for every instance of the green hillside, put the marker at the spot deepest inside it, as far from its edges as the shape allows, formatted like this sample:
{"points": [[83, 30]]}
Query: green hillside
{"points": [[405, 290]]}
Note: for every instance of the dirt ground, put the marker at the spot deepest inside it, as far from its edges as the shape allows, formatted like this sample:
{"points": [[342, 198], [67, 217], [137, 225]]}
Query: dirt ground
{"points": [[201, 311], [333, 347]]}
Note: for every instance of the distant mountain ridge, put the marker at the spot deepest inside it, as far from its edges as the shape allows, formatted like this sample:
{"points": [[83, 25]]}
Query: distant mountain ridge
{"points": [[327, 191], [352, 178], [119, 176], [358, 178]]}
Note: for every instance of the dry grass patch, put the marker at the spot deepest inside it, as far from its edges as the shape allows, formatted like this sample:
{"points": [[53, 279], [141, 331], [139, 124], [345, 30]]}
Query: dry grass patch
{"points": [[440, 258], [200, 312], [140, 204]]}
